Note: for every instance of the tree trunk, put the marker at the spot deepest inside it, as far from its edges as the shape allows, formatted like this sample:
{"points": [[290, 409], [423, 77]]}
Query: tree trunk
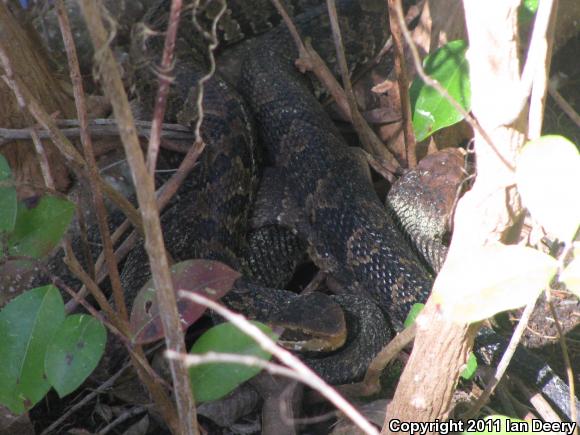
{"points": [[29, 63]]}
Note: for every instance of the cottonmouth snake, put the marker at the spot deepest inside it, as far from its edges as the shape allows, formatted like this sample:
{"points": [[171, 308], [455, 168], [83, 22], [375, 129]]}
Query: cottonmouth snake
{"points": [[318, 186]]}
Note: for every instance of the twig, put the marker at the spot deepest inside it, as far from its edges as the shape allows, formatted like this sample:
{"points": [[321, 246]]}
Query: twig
{"points": [[567, 362], [536, 66], [42, 159], [309, 60], [504, 362], [371, 383], [165, 80], [213, 43], [539, 403], [96, 127], [129, 413], [113, 87], [307, 375], [93, 170], [564, 105], [543, 59], [403, 80], [443, 92], [234, 358], [369, 139], [101, 388]]}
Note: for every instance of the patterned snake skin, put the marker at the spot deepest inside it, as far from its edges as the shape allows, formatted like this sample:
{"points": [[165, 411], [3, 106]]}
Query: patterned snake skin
{"points": [[318, 187]]}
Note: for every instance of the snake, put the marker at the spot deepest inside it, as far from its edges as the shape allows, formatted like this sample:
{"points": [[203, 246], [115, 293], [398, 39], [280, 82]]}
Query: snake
{"points": [[268, 140]]}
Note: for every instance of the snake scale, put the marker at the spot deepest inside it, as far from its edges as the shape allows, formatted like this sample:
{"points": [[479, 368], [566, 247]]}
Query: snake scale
{"points": [[318, 188]]}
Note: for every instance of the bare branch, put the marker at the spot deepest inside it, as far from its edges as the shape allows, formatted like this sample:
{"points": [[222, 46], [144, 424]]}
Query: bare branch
{"points": [[403, 80], [113, 87], [167, 60], [93, 170], [504, 362]]}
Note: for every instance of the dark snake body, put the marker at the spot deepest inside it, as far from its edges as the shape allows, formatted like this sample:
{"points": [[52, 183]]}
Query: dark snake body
{"points": [[320, 189]]}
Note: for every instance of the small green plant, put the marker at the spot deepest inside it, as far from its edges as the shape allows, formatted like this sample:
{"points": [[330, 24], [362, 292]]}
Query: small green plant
{"points": [[40, 347], [431, 112]]}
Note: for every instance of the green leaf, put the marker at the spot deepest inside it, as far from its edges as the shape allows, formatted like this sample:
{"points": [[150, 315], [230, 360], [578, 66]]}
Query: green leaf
{"points": [[527, 11], [74, 352], [413, 313], [8, 202], [39, 229], [548, 176], [27, 324], [491, 279], [470, 368], [214, 381], [571, 276], [431, 111]]}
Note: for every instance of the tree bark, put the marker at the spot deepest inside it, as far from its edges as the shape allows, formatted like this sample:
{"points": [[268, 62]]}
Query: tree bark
{"points": [[30, 64]]}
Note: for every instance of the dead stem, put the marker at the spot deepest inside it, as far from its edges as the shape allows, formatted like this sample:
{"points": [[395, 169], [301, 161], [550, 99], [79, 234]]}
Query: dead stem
{"points": [[186, 422], [165, 80], [403, 80], [93, 170]]}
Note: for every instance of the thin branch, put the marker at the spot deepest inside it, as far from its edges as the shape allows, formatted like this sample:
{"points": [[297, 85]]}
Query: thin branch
{"points": [[371, 383], [567, 362], [93, 170], [42, 159], [442, 91], [97, 128], [369, 139], [234, 358], [504, 362], [564, 105], [127, 414], [310, 60], [536, 61], [165, 80], [541, 405], [308, 376], [213, 43], [543, 60], [403, 81], [78, 405], [113, 86]]}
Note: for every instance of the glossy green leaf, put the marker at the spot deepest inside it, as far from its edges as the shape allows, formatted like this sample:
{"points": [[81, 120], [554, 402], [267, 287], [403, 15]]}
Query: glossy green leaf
{"points": [[527, 11], [74, 352], [39, 228], [431, 111], [470, 368], [8, 201], [413, 313], [548, 176], [214, 381], [27, 324], [491, 279]]}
